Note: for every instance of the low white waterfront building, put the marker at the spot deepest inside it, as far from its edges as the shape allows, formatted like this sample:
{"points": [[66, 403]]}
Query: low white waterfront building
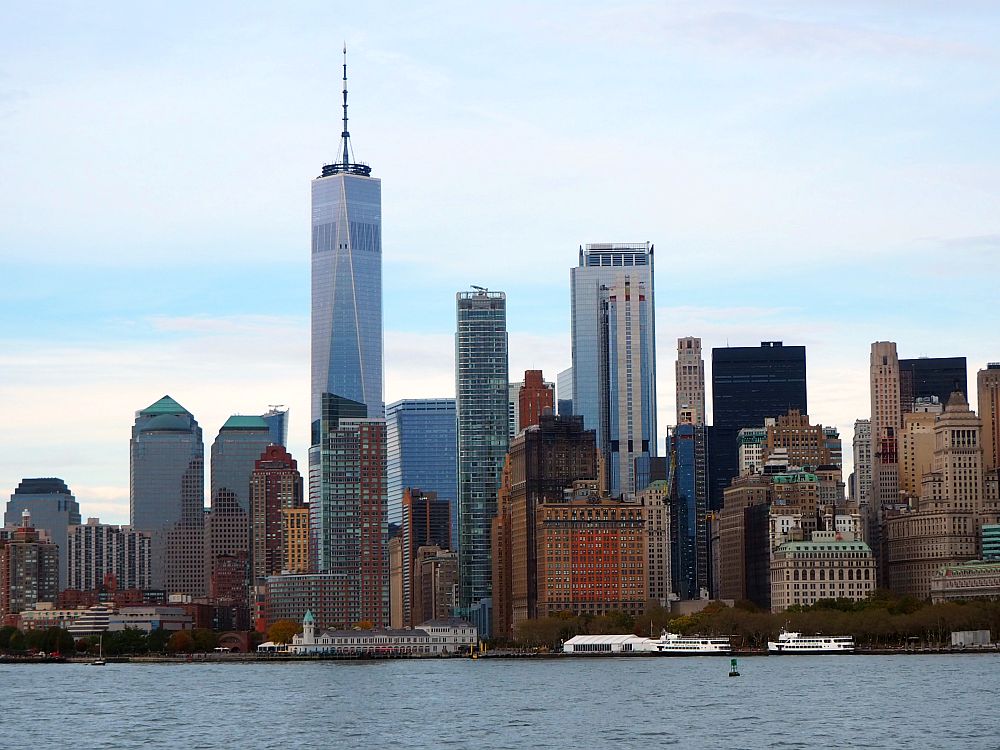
{"points": [[435, 637], [608, 644]]}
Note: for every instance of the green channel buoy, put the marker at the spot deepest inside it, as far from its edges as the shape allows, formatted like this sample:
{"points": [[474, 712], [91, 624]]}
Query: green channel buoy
{"points": [[733, 672]]}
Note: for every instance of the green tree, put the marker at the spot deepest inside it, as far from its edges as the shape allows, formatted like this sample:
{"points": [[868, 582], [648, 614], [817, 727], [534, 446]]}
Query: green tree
{"points": [[6, 632], [180, 642], [204, 639], [283, 630], [156, 641]]}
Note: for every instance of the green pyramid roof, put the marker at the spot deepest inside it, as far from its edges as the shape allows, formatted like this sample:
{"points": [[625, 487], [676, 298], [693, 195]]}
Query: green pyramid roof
{"points": [[165, 405], [238, 422], [308, 619]]}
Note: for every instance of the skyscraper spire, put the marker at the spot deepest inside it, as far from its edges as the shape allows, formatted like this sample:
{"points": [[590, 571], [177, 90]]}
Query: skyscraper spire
{"points": [[343, 164], [345, 136]]}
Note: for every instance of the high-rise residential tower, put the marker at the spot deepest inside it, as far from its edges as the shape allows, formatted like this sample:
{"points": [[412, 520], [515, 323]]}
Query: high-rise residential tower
{"points": [[614, 354], [481, 381], [690, 382], [749, 385], [347, 281], [421, 449], [167, 494], [988, 384], [53, 509], [275, 487], [29, 569]]}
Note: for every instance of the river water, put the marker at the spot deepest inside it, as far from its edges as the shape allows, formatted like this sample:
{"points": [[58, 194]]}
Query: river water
{"points": [[811, 702]]}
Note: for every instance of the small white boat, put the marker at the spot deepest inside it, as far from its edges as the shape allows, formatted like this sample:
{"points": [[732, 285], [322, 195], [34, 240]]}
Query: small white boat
{"points": [[99, 661], [693, 645], [797, 643]]}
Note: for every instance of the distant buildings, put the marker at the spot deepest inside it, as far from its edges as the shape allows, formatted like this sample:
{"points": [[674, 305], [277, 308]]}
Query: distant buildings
{"points": [[861, 486], [592, 554], [426, 524], [544, 461], [53, 509], [432, 638], [421, 449], [564, 392], [662, 534], [534, 397], [167, 494], [749, 384], [435, 584], [831, 565], [690, 382], [29, 569], [689, 507], [103, 556], [988, 385], [481, 380]]}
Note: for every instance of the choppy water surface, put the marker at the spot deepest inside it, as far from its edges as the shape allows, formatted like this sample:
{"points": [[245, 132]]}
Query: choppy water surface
{"points": [[790, 702]]}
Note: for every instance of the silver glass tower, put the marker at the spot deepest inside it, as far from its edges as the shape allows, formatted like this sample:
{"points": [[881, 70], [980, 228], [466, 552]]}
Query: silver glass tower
{"points": [[347, 282], [614, 354], [481, 406]]}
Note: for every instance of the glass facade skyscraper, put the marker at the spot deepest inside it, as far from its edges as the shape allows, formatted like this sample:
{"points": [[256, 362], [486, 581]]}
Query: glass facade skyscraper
{"points": [[53, 508], [614, 354], [167, 493], [277, 422], [749, 384], [421, 452], [239, 446], [481, 380]]}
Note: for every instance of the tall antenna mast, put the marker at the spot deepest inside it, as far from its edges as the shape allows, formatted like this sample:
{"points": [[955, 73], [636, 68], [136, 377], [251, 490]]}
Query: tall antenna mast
{"points": [[345, 136]]}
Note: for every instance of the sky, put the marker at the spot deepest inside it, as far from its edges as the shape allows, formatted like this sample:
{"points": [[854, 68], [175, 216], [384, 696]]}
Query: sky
{"points": [[820, 173]]}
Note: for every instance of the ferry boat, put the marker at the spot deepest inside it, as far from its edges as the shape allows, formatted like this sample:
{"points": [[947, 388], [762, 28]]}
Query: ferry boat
{"points": [[692, 645], [796, 643]]}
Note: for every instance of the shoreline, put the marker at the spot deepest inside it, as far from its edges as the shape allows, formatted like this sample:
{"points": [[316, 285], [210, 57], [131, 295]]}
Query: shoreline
{"points": [[284, 659]]}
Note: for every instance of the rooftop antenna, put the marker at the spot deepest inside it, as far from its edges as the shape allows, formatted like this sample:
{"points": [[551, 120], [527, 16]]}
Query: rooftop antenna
{"points": [[345, 136]]}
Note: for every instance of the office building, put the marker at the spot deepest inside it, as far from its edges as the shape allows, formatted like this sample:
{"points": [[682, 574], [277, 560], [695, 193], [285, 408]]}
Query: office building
{"points": [[943, 526], [167, 494], [435, 584], [544, 460], [592, 554], [988, 385], [614, 356], [346, 282], [275, 487], [53, 510], [29, 569], [749, 384], [289, 597], [421, 451], [426, 523], [752, 444], [690, 382], [481, 381], [564, 392], [105, 557], [801, 443], [534, 396], [661, 533], [348, 514], [295, 539], [831, 565], [742, 521], [916, 444], [862, 485], [689, 448], [276, 419], [931, 377]]}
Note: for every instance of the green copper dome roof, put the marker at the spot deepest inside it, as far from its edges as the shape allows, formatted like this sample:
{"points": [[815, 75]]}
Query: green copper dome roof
{"points": [[165, 405]]}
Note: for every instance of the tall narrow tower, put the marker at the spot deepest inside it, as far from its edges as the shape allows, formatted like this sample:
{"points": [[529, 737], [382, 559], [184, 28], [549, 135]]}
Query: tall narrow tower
{"points": [[346, 282], [886, 421], [614, 354], [481, 389], [690, 385]]}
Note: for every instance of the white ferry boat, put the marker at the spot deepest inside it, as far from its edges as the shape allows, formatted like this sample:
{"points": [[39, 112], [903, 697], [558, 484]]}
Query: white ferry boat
{"points": [[796, 643], [692, 645]]}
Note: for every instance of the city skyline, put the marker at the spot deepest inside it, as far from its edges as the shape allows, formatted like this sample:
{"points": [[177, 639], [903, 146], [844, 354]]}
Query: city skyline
{"points": [[200, 340]]}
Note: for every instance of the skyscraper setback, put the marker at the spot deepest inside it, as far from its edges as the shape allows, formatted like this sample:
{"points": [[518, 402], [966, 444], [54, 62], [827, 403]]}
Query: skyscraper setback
{"points": [[614, 354], [481, 380]]}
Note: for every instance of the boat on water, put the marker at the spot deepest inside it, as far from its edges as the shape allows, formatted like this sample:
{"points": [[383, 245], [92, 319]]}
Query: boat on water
{"points": [[797, 643], [668, 644], [100, 660], [693, 645]]}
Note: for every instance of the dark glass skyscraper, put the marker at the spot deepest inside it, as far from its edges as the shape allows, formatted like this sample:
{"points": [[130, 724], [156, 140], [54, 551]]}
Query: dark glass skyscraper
{"points": [[749, 384], [481, 379], [53, 509], [421, 444], [931, 376]]}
